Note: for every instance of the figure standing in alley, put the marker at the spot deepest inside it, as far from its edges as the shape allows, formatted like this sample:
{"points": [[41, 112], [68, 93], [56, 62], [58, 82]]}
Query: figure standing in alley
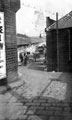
{"points": [[25, 59], [21, 57]]}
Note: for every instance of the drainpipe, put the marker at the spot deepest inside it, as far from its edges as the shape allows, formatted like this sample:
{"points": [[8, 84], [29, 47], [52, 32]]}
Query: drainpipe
{"points": [[57, 42], [69, 45]]}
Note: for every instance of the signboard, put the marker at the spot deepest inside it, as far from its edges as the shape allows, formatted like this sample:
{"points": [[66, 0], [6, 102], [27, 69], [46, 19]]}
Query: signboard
{"points": [[2, 48]]}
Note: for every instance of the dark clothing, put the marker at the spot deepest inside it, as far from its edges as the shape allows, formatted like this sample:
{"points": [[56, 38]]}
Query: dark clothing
{"points": [[34, 56], [25, 60], [21, 57]]}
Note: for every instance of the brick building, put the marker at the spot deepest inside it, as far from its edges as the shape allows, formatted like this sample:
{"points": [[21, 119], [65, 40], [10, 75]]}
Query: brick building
{"points": [[63, 60], [9, 8]]}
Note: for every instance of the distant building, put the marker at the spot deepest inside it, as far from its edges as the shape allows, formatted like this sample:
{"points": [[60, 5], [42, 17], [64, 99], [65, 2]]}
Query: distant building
{"points": [[28, 44], [37, 40], [59, 52], [23, 40]]}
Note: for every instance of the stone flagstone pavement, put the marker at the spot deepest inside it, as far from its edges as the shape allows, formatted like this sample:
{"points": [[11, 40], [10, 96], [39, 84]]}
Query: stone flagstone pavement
{"points": [[38, 95]]}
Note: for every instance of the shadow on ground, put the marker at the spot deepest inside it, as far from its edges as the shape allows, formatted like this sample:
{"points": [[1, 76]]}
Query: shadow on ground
{"points": [[45, 107]]}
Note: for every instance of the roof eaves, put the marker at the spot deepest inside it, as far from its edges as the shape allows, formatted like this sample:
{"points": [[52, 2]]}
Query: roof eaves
{"points": [[67, 17]]}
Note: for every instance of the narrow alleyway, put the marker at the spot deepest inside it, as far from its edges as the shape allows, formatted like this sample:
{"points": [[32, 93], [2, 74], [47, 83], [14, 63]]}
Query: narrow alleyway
{"points": [[38, 95]]}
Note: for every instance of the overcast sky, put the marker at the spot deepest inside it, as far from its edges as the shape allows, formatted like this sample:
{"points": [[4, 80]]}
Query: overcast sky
{"points": [[31, 18]]}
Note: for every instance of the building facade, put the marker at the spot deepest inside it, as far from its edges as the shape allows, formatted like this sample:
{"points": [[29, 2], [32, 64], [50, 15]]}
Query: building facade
{"points": [[9, 9], [59, 48]]}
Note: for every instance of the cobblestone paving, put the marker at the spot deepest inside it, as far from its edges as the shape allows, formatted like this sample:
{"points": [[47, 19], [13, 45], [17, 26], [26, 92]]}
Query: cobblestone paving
{"points": [[38, 96]]}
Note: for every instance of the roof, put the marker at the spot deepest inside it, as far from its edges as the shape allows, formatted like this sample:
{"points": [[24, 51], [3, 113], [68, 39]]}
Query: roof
{"points": [[22, 35], [64, 22], [35, 40], [23, 39]]}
